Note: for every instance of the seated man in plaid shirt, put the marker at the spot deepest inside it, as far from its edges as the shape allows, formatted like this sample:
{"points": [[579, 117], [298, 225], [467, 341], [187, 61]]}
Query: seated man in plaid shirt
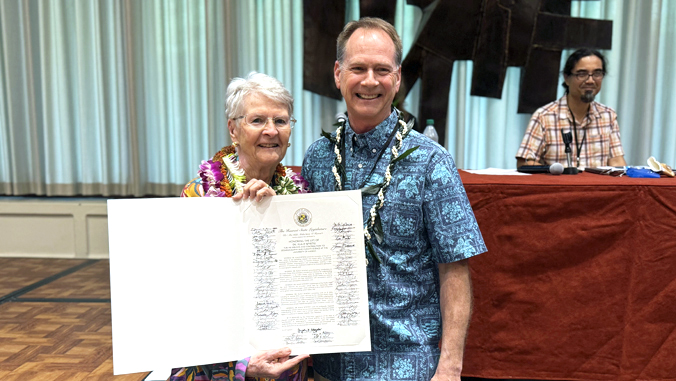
{"points": [[594, 128]]}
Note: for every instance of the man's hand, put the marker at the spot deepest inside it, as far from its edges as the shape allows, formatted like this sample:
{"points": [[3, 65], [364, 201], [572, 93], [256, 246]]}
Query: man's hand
{"points": [[521, 162], [254, 188], [272, 363]]}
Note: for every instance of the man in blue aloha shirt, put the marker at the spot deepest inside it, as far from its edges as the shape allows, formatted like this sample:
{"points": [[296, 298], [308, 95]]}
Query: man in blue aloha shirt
{"points": [[421, 233]]}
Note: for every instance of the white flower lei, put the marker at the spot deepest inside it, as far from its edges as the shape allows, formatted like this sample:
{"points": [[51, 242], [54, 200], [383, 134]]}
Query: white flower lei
{"points": [[339, 158], [403, 131]]}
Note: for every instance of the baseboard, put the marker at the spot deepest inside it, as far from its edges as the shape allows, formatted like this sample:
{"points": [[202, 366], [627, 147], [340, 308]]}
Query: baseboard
{"points": [[53, 227]]}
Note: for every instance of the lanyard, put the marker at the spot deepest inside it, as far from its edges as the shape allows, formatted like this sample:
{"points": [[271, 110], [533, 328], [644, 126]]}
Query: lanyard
{"points": [[380, 154], [584, 136]]}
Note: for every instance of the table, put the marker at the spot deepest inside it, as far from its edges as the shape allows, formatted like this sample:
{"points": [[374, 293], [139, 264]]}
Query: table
{"points": [[579, 281]]}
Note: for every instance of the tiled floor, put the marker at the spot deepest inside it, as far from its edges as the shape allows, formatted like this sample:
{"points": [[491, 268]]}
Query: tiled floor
{"points": [[55, 320]]}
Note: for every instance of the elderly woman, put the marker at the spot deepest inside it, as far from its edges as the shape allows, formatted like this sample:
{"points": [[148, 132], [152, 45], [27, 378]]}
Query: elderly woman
{"points": [[259, 111]]}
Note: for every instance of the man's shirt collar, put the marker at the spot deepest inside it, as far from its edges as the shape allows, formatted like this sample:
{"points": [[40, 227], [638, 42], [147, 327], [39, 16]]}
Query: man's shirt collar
{"points": [[566, 114], [376, 137]]}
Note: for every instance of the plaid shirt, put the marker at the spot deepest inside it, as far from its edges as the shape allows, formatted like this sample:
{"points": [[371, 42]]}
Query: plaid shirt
{"points": [[543, 141]]}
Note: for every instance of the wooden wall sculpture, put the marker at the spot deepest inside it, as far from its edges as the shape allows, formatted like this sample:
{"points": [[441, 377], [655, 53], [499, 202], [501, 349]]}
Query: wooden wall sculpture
{"points": [[494, 34]]}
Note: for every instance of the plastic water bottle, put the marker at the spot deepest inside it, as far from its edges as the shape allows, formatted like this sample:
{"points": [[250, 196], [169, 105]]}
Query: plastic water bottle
{"points": [[430, 131]]}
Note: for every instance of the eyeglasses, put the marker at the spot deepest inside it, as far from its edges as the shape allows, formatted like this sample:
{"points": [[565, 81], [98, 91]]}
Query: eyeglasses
{"points": [[282, 123], [584, 75]]}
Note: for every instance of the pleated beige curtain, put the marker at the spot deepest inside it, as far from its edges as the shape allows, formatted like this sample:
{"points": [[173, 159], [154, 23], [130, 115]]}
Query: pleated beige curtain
{"points": [[125, 98]]}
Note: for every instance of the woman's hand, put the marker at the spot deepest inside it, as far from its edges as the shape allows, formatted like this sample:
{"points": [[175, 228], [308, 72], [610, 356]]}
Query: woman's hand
{"points": [[272, 363], [254, 188]]}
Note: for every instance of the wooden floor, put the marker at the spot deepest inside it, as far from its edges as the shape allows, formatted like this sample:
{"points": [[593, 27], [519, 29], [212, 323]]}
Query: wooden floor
{"points": [[55, 321]]}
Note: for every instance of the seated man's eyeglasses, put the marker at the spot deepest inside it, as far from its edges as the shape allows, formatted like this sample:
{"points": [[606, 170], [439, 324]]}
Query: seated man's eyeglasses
{"points": [[583, 75], [259, 121]]}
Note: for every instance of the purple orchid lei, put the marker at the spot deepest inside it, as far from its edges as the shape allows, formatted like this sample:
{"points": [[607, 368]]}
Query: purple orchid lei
{"points": [[302, 184], [211, 175]]}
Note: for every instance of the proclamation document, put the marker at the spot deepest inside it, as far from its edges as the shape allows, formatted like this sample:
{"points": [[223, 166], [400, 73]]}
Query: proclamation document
{"points": [[205, 280], [308, 267]]}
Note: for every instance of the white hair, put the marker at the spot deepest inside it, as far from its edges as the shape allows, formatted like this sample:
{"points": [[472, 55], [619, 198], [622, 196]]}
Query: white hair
{"points": [[255, 83]]}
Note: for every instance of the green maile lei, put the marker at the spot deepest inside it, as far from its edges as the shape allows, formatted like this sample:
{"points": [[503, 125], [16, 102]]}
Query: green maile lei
{"points": [[373, 226]]}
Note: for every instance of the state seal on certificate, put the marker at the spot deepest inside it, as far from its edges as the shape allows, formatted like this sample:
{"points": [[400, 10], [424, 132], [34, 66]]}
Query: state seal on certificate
{"points": [[302, 217]]}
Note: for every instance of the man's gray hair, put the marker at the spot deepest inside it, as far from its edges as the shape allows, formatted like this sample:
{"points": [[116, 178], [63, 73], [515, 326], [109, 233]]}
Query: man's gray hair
{"points": [[369, 23], [255, 83]]}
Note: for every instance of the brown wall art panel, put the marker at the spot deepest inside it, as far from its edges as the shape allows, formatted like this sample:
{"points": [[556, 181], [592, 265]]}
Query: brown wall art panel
{"points": [[493, 34]]}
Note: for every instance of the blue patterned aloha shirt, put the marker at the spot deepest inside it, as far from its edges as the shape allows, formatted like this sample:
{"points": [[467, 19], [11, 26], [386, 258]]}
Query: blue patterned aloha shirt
{"points": [[426, 220]]}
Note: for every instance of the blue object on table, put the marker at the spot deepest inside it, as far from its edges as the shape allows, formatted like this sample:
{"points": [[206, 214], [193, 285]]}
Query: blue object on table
{"points": [[642, 173]]}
